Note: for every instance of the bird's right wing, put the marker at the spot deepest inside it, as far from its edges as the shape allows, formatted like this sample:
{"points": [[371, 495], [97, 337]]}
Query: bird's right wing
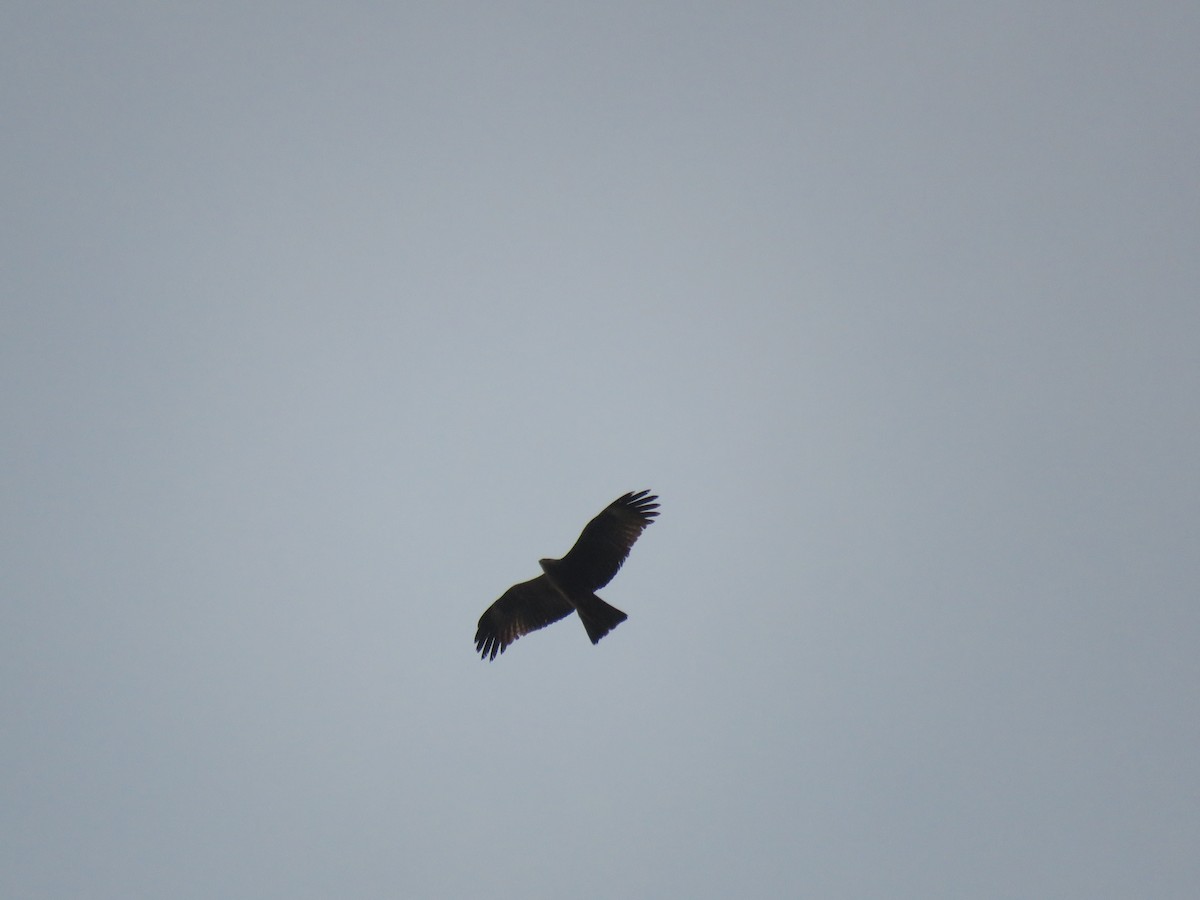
{"points": [[523, 608]]}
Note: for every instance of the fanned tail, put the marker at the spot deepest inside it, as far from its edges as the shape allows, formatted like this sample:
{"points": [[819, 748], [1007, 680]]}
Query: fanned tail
{"points": [[599, 618]]}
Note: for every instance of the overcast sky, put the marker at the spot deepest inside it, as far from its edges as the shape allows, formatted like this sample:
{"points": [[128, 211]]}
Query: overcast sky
{"points": [[322, 323]]}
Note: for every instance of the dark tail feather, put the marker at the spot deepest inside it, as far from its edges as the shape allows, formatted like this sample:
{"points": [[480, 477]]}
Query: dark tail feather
{"points": [[599, 618]]}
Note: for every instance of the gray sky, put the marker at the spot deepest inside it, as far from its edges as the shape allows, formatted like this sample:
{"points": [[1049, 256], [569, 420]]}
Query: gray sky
{"points": [[323, 322]]}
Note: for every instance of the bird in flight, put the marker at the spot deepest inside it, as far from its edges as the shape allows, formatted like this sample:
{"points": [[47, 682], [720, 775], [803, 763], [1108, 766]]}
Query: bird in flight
{"points": [[569, 584]]}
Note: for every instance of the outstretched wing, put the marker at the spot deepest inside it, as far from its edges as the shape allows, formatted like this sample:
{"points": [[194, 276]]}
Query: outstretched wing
{"points": [[606, 541], [523, 608]]}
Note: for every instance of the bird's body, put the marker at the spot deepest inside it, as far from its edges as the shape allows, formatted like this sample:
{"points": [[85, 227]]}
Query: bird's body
{"points": [[569, 584]]}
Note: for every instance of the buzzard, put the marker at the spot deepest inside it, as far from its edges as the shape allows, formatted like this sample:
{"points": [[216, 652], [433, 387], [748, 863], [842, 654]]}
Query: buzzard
{"points": [[569, 584]]}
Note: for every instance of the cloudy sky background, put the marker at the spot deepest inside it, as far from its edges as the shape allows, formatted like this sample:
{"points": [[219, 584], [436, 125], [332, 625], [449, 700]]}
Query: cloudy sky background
{"points": [[323, 322]]}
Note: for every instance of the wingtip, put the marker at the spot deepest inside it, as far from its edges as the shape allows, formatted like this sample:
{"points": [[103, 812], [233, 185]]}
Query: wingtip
{"points": [[487, 646], [643, 502]]}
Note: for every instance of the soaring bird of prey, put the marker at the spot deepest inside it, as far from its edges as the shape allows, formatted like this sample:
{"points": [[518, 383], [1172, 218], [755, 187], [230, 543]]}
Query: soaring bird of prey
{"points": [[569, 584]]}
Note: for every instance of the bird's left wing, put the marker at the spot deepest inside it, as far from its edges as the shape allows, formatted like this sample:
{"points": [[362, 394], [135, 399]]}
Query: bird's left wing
{"points": [[606, 541], [523, 608]]}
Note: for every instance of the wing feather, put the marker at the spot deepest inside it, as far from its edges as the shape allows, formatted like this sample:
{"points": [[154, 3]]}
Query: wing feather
{"points": [[523, 608], [606, 541]]}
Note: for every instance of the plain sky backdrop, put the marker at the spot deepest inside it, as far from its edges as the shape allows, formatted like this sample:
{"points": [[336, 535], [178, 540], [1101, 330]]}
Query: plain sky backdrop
{"points": [[322, 323]]}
